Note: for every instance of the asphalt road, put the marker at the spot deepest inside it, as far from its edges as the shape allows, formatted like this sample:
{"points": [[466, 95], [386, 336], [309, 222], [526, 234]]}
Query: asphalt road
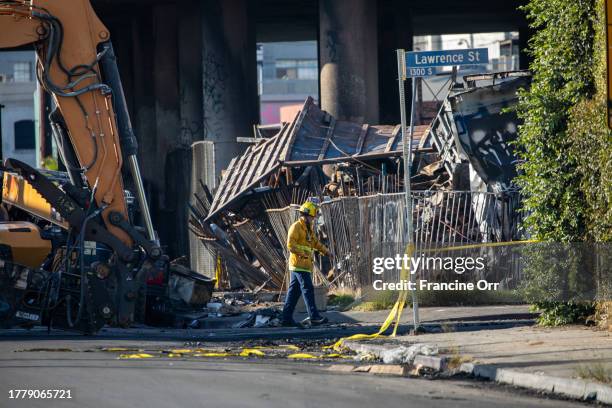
{"points": [[99, 379]]}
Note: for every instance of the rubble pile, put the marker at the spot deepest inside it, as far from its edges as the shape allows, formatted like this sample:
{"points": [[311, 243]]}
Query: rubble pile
{"points": [[461, 174]]}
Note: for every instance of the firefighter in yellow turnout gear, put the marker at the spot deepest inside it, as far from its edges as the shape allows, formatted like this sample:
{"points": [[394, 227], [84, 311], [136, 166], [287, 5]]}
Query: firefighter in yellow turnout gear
{"points": [[301, 243]]}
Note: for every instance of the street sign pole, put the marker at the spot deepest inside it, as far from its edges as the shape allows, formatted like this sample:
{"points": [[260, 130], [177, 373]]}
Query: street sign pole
{"points": [[407, 153], [416, 65], [415, 301]]}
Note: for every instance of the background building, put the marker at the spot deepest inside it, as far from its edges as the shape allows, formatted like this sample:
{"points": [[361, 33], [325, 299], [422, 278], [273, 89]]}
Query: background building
{"points": [[17, 89], [287, 73], [503, 51]]}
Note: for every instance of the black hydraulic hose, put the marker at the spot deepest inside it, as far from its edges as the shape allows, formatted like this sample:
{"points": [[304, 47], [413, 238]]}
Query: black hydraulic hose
{"points": [[110, 73], [81, 245], [55, 40], [84, 281]]}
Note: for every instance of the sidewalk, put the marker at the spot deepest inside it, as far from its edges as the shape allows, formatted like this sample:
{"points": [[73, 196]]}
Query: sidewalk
{"points": [[437, 314], [547, 359]]}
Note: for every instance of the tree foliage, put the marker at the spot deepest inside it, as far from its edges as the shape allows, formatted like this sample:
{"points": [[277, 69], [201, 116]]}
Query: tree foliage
{"points": [[564, 144]]}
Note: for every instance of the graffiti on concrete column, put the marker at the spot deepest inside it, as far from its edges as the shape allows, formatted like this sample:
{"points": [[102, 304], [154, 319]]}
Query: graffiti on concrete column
{"points": [[215, 86], [332, 43], [190, 130]]}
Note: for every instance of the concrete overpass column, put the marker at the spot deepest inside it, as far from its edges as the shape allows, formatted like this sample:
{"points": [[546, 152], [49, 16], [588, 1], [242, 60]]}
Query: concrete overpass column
{"points": [[229, 76], [188, 107], [348, 59], [394, 32]]}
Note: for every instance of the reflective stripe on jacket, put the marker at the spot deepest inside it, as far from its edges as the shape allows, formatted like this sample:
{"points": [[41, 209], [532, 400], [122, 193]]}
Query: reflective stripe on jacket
{"points": [[301, 242]]}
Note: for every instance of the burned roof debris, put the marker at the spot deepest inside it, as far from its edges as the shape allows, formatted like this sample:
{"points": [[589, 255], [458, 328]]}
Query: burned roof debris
{"points": [[355, 172], [313, 138]]}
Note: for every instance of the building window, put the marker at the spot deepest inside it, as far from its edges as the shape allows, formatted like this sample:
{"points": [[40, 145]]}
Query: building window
{"points": [[21, 72], [296, 69], [286, 69], [25, 138]]}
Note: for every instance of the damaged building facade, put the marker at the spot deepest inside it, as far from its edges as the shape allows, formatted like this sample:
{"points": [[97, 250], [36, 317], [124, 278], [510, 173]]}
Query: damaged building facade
{"points": [[461, 182]]}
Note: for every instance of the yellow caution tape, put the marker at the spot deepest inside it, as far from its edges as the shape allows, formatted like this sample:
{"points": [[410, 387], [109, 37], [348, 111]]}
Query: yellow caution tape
{"points": [[203, 350], [251, 352], [181, 351], [301, 356], [396, 311], [212, 354], [484, 244], [136, 355], [394, 314], [289, 346], [115, 349], [175, 355]]}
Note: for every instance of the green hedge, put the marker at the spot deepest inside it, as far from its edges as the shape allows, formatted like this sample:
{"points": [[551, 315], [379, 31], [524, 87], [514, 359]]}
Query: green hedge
{"points": [[564, 145], [562, 52]]}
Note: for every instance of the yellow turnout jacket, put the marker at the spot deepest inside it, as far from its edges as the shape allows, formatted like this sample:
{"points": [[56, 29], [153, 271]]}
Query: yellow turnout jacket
{"points": [[301, 242]]}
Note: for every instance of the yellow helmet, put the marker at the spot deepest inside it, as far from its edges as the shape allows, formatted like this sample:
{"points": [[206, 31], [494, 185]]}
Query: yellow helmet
{"points": [[309, 208]]}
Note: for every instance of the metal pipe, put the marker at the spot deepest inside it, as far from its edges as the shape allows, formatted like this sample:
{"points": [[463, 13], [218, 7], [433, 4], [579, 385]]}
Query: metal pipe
{"points": [[129, 145], [142, 199]]}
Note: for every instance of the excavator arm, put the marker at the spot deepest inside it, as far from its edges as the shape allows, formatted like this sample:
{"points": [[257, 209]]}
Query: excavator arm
{"points": [[76, 66]]}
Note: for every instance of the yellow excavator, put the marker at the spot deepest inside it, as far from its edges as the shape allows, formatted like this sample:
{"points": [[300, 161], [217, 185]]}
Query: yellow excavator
{"points": [[86, 263]]}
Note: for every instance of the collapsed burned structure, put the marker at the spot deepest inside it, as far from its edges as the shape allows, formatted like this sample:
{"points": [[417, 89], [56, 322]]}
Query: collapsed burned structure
{"points": [[461, 178]]}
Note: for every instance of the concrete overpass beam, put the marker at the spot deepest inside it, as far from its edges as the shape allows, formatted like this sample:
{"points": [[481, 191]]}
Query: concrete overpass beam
{"points": [[348, 59]]}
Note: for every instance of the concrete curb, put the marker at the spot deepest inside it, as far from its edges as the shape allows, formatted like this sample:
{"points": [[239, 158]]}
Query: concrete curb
{"points": [[396, 370], [570, 387]]}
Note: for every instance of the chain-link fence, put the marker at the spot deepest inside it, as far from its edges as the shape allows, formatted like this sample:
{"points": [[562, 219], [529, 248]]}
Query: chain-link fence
{"points": [[362, 228]]}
